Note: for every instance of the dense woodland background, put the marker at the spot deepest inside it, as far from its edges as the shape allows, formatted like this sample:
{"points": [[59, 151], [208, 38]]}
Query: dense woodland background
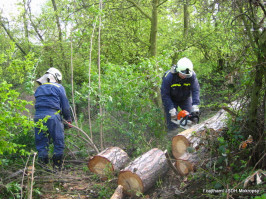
{"points": [[113, 54]]}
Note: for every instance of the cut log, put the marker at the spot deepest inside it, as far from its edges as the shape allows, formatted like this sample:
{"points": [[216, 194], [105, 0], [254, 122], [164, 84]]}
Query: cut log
{"points": [[186, 163], [181, 142], [118, 194], [142, 173], [110, 160], [193, 136]]}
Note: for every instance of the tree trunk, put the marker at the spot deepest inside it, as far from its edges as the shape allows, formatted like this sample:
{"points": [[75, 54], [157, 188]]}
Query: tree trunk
{"points": [[99, 74], [256, 118], [154, 29], [143, 172], [111, 160], [193, 136], [186, 19], [25, 23]]}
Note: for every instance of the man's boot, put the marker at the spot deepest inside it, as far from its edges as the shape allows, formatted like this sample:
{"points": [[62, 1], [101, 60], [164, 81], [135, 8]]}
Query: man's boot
{"points": [[43, 162], [57, 163]]}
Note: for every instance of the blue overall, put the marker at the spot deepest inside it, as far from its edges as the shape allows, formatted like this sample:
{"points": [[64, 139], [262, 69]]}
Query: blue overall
{"points": [[51, 100], [179, 92]]}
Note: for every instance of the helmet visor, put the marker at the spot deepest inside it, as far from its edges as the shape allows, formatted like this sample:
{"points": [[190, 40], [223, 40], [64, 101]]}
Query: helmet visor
{"points": [[43, 79], [186, 73]]}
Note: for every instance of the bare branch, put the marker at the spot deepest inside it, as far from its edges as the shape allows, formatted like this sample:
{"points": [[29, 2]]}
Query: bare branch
{"points": [[32, 175], [33, 24], [24, 171], [90, 141]]}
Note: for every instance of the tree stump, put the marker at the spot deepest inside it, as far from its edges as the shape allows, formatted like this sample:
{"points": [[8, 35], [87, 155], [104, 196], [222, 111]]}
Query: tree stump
{"points": [[110, 160], [193, 136], [142, 173]]}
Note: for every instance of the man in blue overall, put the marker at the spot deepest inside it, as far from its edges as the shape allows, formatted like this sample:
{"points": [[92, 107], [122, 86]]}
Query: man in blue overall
{"points": [[179, 87], [51, 101]]}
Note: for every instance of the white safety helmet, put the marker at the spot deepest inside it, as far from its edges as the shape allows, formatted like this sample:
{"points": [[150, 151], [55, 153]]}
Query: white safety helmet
{"points": [[52, 75], [56, 74], [185, 67]]}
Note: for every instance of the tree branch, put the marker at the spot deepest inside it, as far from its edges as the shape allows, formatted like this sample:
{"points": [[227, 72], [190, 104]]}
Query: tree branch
{"points": [[140, 9], [10, 36], [262, 7], [90, 141], [229, 111], [161, 3], [33, 24]]}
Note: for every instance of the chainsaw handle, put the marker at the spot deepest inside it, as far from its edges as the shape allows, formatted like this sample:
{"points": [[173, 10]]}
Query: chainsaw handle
{"points": [[182, 120]]}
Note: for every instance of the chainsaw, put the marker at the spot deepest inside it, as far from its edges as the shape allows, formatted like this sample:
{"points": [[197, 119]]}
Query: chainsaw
{"points": [[186, 120]]}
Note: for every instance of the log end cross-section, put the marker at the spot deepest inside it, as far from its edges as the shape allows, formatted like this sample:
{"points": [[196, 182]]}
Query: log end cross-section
{"points": [[180, 143], [131, 183], [108, 161], [100, 165]]}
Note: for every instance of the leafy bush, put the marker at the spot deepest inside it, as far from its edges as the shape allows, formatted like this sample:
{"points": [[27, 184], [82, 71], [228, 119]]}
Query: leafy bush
{"points": [[13, 120]]}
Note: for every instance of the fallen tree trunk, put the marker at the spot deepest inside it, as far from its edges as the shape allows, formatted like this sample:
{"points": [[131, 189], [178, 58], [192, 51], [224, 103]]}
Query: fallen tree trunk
{"points": [[193, 136], [142, 173], [111, 160]]}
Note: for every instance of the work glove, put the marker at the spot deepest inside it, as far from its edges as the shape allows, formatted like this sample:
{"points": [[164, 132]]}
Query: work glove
{"points": [[195, 109], [68, 125], [173, 113]]}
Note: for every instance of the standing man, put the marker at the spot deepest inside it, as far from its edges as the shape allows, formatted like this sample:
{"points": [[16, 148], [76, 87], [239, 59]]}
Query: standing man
{"points": [[179, 87], [51, 101]]}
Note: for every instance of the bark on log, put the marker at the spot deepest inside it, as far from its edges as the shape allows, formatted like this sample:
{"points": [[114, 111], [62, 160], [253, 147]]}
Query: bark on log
{"points": [[142, 173], [193, 136], [111, 160], [118, 194]]}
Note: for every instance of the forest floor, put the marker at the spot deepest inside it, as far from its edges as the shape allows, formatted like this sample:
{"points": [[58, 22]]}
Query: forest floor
{"points": [[77, 182]]}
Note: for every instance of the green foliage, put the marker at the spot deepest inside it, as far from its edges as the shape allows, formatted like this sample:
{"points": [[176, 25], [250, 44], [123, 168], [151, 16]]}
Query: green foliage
{"points": [[103, 191], [13, 123], [40, 124], [224, 49], [19, 72], [129, 96], [12, 191], [263, 196], [228, 165]]}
